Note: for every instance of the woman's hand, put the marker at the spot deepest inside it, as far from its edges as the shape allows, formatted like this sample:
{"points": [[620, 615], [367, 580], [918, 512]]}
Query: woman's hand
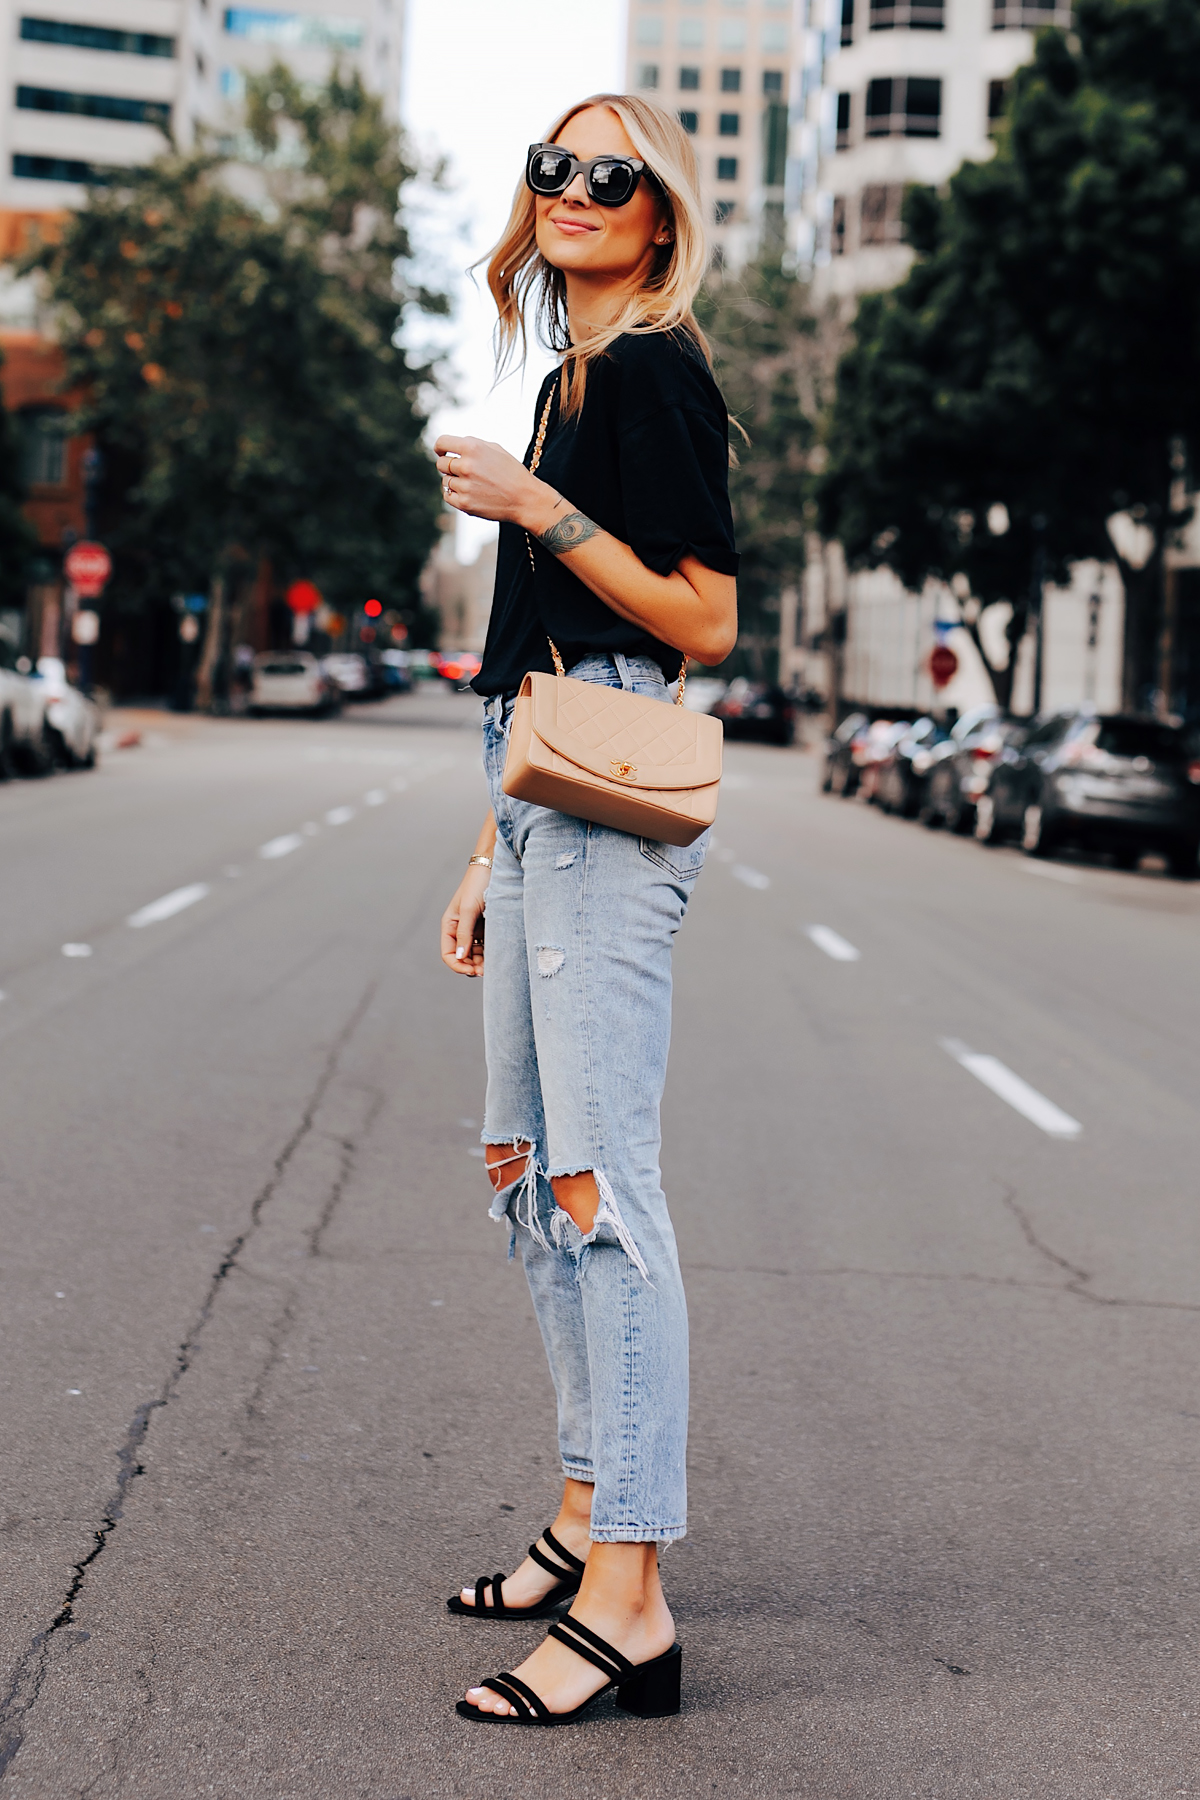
{"points": [[483, 480], [462, 923]]}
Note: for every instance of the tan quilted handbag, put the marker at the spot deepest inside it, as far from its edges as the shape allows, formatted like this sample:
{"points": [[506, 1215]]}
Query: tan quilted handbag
{"points": [[616, 758]]}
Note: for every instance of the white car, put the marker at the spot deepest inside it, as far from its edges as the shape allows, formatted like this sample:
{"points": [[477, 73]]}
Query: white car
{"points": [[23, 744], [349, 671], [292, 681], [72, 720]]}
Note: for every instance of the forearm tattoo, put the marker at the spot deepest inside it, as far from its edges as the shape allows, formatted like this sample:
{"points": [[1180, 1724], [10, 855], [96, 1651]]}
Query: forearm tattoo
{"points": [[568, 533]]}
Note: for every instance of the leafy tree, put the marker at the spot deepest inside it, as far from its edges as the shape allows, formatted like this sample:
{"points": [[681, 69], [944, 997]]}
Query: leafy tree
{"points": [[18, 539], [768, 355], [1044, 351], [235, 331]]}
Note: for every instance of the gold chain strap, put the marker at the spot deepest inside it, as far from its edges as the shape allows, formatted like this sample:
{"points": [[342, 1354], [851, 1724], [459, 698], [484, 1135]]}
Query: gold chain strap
{"points": [[534, 460]]}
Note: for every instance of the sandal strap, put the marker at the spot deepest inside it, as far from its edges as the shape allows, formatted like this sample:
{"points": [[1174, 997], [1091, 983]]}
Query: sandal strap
{"points": [[511, 1688], [602, 1655], [495, 1582], [575, 1563], [552, 1568]]}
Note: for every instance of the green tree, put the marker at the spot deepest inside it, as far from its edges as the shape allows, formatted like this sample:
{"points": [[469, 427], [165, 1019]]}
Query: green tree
{"points": [[236, 334], [18, 539], [768, 356], [1044, 351]]}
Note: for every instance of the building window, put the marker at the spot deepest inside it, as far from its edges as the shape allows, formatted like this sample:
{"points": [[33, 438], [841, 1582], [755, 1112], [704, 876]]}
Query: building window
{"points": [[689, 80], [772, 83], [94, 106], [775, 140], [691, 34], [690, 121], [727, 168], [201, 65], [43, 446], [847, 36], [306, 29], [731, 81], [837, 226], [58, 168], [647, 75], [1030, 15], [997, 102], [729, 124], [723, 211], [904, 106], [842, 142], [881, 218], [908, 15], [96, 37], [733, 34], [774, 38], [649, 31], [232, 84]]}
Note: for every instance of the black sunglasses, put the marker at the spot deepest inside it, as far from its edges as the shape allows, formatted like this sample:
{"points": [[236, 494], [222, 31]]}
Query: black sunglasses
{"points": [[609, 180]]}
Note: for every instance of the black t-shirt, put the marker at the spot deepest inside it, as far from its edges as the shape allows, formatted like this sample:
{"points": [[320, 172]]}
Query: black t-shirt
{"points": [[646, 458]]}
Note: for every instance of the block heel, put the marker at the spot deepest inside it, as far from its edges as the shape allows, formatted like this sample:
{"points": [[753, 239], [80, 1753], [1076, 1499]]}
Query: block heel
{"points": [[653, 1692], [648, 1690]]}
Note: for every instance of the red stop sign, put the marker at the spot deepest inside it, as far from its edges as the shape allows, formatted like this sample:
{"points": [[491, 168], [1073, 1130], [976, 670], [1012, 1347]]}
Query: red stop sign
{"points": [[943, 664], [87, 567], [303, 597]]}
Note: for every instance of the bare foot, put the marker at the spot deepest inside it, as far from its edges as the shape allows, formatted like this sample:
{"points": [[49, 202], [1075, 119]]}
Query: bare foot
{"points": [[622, 1601]]}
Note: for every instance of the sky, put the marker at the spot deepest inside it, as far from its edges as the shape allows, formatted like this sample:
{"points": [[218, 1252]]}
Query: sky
{"points": [[483, 80]]}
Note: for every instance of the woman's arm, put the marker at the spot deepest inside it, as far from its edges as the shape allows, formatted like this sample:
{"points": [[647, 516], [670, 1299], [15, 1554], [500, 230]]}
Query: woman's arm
{"points": [[694, 608], [462, 921]]}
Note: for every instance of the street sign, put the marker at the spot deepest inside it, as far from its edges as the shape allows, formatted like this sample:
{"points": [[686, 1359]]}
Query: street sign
{"points": [[943, 665], [85, 627], [87, 567], [303, 597]]}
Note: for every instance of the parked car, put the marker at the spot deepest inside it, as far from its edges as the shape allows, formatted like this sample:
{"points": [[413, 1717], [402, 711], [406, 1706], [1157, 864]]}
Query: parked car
{"points": [[397, 676], [350, 672], [873, 753], [422, 665], [961, 767], [72, 721], [841, 771], [701, 692], [25, 747], [292, 681], [1113, 781], [457, 667], [756, 709], [904, 777]]}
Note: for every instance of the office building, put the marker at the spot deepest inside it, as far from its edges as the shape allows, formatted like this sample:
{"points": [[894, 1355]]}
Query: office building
{"points": [[723, 66], [87, 86]]}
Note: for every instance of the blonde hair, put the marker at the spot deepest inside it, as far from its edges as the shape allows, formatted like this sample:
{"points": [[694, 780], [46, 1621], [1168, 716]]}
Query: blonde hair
{"points": [[517, 271]]}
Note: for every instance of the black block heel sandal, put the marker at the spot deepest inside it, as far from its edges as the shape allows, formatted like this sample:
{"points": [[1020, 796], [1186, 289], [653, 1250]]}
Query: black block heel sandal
{"points": [[649, 1689], [569, 1578]]}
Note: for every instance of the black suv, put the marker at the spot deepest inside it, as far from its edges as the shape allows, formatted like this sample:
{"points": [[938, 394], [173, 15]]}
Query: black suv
{"points": [[1111, 781]]}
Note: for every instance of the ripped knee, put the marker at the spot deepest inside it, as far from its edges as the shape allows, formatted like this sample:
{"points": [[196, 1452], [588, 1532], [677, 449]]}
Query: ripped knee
{"points": [[579, 1198], [502, 1162]]}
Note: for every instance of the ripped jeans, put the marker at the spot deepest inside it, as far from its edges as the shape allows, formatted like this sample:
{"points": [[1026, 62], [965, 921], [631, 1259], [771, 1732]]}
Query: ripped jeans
{"points": [[577, 1021]]}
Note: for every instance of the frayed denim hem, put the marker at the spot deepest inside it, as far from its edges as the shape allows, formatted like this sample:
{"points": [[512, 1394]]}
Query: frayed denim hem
{"points": [[637, 1534]]}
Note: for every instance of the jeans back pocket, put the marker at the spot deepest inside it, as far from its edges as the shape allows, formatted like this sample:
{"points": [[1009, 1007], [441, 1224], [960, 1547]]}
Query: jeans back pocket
{"points": [[683, 862]]}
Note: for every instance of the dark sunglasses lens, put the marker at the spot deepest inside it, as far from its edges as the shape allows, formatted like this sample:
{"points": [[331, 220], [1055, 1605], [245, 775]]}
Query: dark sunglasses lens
{"points": [[611, 183], [548, 171]]}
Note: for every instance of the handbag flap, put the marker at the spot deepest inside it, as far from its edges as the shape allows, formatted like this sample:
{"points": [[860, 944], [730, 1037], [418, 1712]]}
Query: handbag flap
{"points": [[625, 737]]}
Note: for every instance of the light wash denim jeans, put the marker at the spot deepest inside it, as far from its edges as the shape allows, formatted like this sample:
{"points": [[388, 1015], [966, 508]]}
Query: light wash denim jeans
{"points": [[577, 1022]]}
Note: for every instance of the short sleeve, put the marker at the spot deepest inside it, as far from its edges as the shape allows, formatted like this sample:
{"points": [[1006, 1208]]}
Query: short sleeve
{"points": [[673, 455]]}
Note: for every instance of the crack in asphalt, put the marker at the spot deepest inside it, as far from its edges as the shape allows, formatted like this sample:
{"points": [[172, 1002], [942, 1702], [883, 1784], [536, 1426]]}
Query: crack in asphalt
{"points": [[1080, 1278], [25, 1684], [348, 1146]]}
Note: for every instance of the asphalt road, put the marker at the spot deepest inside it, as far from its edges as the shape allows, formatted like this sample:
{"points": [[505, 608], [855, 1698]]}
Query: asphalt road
{"points": [[271, 1390]]}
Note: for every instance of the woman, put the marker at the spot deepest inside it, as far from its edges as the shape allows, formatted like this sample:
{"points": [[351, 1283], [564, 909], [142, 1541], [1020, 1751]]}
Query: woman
{"points": [[619, 550]]}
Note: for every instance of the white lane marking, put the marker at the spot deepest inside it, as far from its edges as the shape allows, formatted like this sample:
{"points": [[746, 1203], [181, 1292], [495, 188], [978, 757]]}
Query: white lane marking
{"points": [[1051, 873], [828, 940], [3, 995], [751, 878], [77, 949], [339, 815], [375, 797], [177, 901], [280, 846], [1019, 1095]]}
